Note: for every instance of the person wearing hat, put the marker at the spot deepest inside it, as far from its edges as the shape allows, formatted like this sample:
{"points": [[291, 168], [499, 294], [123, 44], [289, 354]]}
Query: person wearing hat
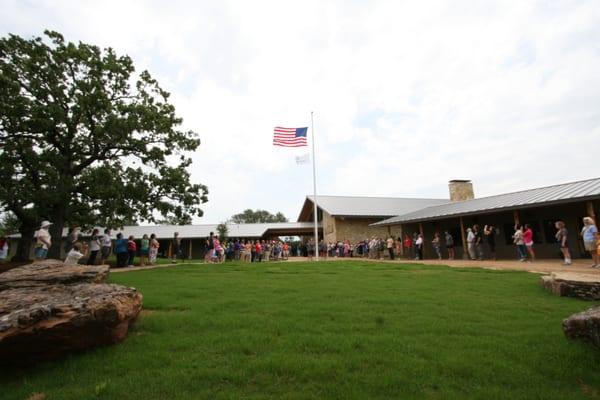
{"points": [[43, 241]]}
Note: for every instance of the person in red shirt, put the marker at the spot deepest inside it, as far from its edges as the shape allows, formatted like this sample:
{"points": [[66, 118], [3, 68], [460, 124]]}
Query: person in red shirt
{"points": [[528, 240], [258, 249], [408, 244], [131, 249]]}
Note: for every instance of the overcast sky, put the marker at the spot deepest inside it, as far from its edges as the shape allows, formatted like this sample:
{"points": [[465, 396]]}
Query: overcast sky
{"points": [[406, 95]]}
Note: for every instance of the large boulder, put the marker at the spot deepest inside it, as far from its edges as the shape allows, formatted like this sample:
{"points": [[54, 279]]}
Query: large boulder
{"points": [[571, 284], [584, 325], [47, 309], [42, 322], [52, 272]]}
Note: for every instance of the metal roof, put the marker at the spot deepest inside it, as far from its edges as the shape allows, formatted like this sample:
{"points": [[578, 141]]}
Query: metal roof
{"points": [[555, 194], [356, 206], [202, 231]]}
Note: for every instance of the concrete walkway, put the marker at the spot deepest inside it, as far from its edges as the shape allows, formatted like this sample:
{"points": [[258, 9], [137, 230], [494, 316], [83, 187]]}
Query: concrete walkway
{"points": [[540, 266]]}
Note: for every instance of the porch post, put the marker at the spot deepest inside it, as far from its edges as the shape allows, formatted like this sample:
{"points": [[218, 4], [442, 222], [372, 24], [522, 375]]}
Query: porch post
{"points": [[589, 206], [516, 217], [190, 249], [463, 236]]}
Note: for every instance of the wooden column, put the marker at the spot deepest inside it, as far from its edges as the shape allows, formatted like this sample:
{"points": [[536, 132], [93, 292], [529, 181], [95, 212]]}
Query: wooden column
{"points": [[170, 250], [516, 217], [463, 236], [190, 250], [589, 208]]}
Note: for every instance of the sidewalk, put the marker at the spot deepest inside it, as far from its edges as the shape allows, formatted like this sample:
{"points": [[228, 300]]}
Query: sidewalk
{"points": [[543, 266]]}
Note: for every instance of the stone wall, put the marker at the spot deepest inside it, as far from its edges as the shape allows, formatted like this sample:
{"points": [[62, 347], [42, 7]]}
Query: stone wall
{"points": [[356, 229]]}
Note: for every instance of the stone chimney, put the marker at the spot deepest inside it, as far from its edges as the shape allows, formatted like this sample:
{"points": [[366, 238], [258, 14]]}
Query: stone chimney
{"points": [[461, 190]]}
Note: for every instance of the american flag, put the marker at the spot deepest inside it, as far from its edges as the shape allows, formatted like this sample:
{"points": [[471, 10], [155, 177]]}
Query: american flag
{"points": [[289, 137]]}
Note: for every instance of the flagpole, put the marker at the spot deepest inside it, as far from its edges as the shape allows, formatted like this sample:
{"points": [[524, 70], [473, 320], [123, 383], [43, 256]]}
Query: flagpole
{"points": [[312, 123]]}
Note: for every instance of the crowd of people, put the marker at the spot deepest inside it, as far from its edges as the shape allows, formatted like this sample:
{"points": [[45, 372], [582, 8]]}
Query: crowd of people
{"points": [[244, 250], [480, 241]]}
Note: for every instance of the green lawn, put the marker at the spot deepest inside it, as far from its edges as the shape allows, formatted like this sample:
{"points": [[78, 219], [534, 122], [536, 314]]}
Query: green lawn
{"points": [[338, 330]]}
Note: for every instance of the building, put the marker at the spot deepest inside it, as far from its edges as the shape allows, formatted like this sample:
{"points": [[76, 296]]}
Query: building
{"points": [[356, 218], [540, 208], [193, 237], [353, 218]]}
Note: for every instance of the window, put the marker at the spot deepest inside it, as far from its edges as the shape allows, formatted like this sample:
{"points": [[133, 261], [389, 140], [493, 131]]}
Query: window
{"points": [[549, 230]]}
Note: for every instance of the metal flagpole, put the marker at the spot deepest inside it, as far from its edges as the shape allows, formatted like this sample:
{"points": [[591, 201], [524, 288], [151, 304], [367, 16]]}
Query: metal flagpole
{"points": [[312, 123]]}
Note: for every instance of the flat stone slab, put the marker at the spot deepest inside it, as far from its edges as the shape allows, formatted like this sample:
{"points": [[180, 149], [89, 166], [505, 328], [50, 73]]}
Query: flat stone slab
{"points": [[52, 272], [584, 325], [40, 322], [572, 284]]}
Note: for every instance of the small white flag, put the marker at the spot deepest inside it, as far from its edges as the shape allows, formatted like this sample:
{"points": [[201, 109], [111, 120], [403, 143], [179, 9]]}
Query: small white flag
{"points": [[303, 159]]}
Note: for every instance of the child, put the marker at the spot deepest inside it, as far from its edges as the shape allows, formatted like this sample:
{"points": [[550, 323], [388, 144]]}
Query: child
{"points": [[76, 253]]}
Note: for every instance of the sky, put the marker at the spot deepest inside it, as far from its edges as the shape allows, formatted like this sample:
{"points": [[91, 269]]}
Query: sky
{"points": [[406, 95]]}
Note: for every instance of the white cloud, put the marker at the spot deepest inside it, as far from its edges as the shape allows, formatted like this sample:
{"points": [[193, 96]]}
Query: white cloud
{"points": [[406, 95]]}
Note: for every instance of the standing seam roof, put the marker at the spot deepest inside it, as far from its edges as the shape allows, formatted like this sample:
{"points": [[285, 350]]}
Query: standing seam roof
{"points": [[556, 193]]}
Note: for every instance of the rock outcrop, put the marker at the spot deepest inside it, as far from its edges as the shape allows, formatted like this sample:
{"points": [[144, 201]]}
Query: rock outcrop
{"points": [[47, 309], [581, 286], [52, 272], [584, 325]]}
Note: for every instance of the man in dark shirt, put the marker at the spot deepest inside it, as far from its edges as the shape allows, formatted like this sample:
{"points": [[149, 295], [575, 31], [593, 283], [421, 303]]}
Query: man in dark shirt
{"points": [[490, 234]]}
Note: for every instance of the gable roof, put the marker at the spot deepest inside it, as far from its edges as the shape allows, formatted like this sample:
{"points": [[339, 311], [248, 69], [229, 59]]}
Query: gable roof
{"points": [[365, 207], [555, 194]]}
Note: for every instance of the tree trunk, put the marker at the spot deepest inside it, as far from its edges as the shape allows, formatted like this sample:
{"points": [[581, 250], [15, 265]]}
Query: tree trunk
{"points": [[24, 246], [58, 223]]}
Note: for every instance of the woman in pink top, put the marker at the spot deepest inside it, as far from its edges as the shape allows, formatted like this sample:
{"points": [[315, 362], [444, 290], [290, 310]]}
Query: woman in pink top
{"points": [[528, 240]]}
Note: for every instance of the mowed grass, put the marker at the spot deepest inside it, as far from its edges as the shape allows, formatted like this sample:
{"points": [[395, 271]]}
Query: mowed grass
{"points": [[338, 330]]}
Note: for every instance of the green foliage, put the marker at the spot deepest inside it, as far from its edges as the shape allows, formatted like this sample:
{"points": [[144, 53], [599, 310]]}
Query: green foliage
{"points": [[174, 220], [222, 231], [257, 216], [9, 224], [331, 330], [85, 140]]}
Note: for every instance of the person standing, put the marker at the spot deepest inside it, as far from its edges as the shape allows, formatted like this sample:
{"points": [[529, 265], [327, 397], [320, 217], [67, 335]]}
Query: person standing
{"points": [[144, 249], [210, 247], [528, 241], [419, 245], [437, 245], [478, 242], [121, 250], [449, 245], [95, 245], [390, 247], [131, 250], [72, 238], [519, 242], [408, 245], [471, 244], [563, 241], [3, 249], [43, 241], [588, 233], [106, 246], [153, 252], [489, 233], [176, 247]]}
